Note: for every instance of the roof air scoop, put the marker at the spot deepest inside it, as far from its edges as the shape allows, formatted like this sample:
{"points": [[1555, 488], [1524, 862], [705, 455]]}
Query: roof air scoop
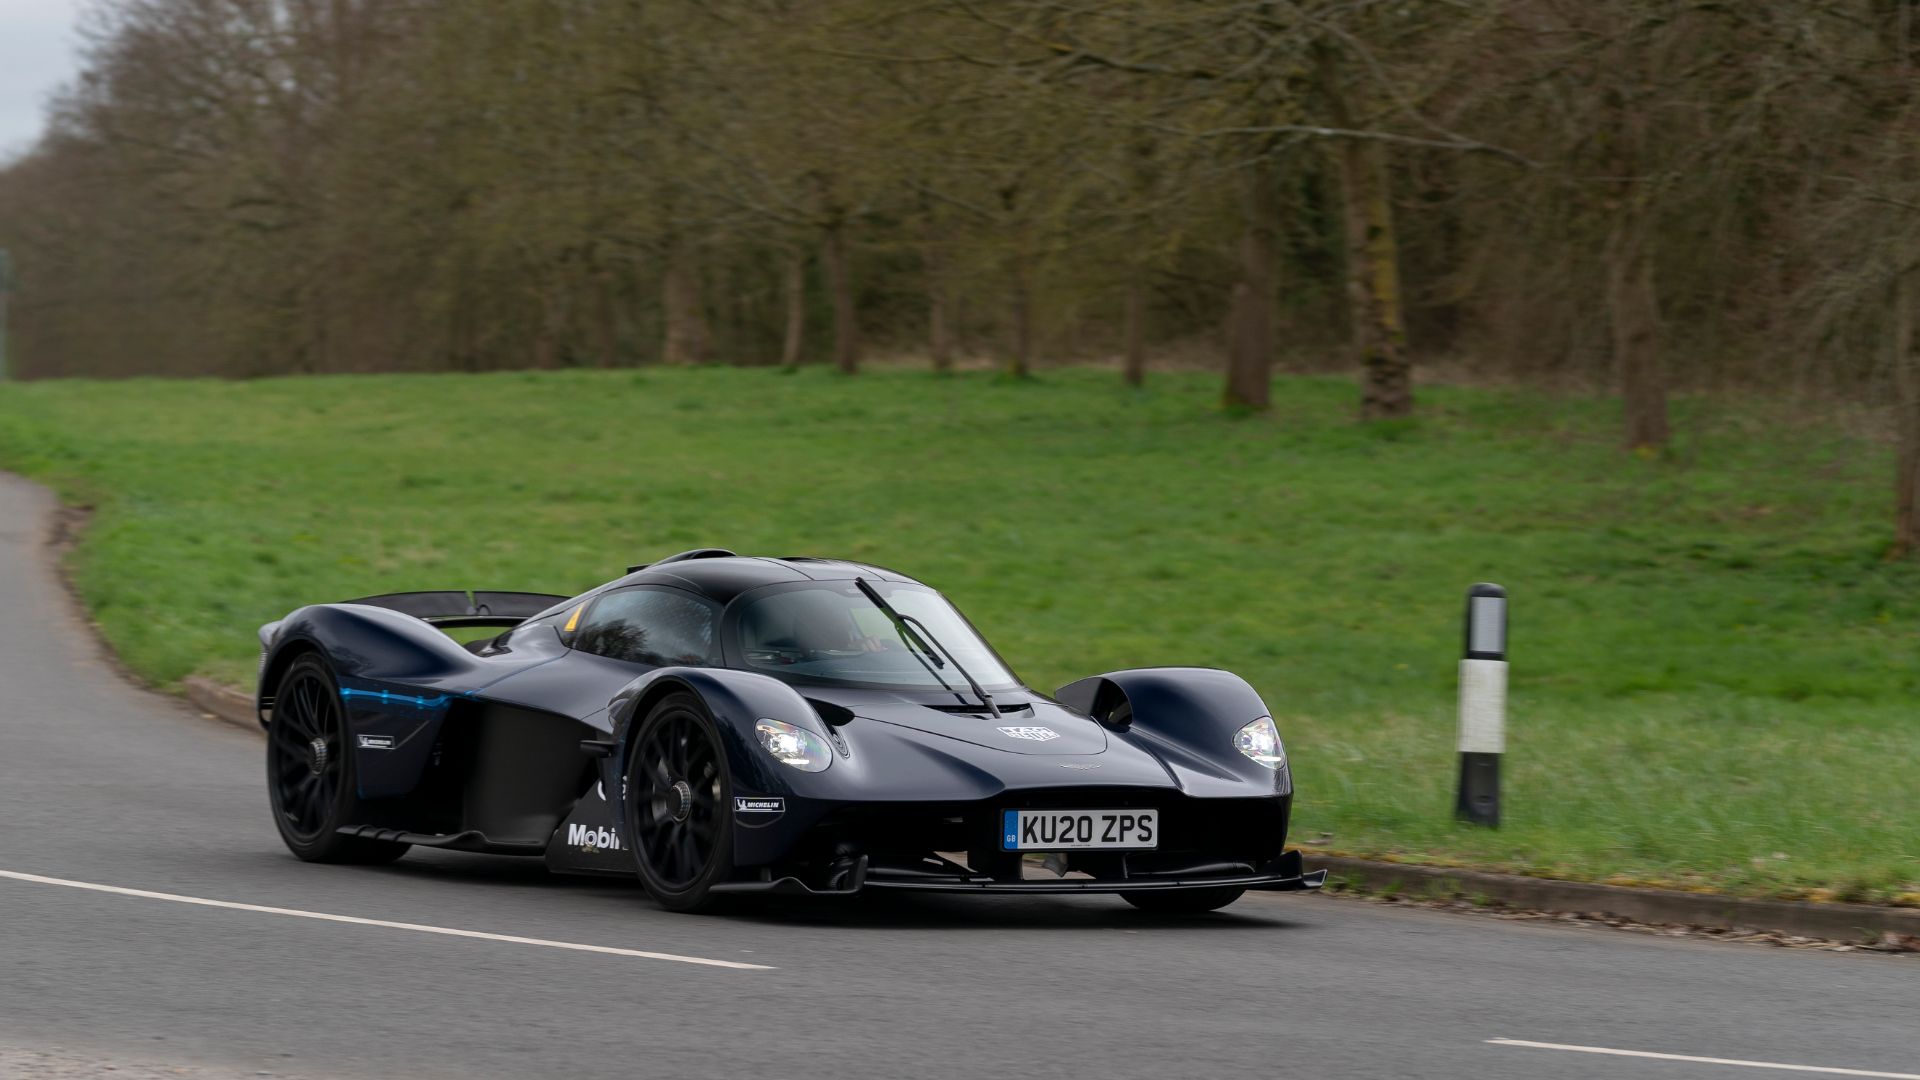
{"points": [[696, 553]]}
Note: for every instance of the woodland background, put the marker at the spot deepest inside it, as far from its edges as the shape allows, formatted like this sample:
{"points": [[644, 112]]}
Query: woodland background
{"points": [[1652, 196]]}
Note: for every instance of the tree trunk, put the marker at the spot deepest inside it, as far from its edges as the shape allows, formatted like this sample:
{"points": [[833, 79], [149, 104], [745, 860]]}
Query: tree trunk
{"points": [[1380, 333], [1133, 365], [939, 318], [796, 289], [1440, 329], [1020, 277], [688, 340], [606, 320], [462, 349], [1634, 307], [546, 354], [1633, 304], [551, 337], [1906, 382], [846, 327], [1250, 318], [1373, 260], [1894, 22], [341, 18]]}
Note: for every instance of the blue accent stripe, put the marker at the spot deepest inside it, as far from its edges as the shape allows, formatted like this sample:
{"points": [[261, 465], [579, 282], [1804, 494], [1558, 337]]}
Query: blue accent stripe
{"points": [[387, 697]]}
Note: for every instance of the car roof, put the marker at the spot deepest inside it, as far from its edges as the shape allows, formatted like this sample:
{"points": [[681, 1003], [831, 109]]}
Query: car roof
{"points": [[721, 575]]}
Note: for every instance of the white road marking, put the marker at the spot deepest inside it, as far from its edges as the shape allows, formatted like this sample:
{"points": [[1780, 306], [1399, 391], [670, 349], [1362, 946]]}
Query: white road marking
{"points": [[357, 921], [1706, 1060]]}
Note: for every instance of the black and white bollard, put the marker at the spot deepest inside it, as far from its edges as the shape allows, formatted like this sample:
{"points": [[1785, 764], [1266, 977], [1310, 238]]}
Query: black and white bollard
{"points": [[1483, 706]]}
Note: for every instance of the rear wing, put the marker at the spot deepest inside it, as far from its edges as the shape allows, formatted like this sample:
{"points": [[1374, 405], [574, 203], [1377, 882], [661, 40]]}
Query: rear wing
{"points": [[455, 609]]}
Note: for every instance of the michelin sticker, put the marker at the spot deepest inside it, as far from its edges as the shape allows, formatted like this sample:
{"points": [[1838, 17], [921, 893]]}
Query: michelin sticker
{"points": [[744, 805], [376, 742]]}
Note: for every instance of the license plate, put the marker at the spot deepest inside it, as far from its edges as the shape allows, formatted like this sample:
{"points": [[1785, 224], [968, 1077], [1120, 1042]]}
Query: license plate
{"points": [[1079, 830]]}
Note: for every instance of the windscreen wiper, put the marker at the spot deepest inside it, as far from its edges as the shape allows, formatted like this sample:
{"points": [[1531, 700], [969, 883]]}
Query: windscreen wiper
{"points": [[915, 632], [923, 652], [920, 650]]}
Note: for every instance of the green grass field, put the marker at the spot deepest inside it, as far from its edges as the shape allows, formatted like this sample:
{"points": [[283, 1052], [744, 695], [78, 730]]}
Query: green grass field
{"points": [[1714, 670]]}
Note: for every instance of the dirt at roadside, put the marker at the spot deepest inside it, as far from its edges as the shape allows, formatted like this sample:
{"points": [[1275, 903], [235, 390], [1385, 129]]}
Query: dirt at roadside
{"points": [[1888, 942]]}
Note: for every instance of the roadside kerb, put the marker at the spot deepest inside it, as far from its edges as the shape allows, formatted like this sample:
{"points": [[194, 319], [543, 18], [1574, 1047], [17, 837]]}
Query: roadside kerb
{"points": [[1832, 921], [221, 702]]}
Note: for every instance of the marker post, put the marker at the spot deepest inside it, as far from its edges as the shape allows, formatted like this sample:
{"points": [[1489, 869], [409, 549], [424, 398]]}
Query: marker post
{"points": [[1483, 706]]}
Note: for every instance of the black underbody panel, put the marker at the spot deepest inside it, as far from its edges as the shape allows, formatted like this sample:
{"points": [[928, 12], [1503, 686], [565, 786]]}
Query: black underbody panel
{"points": [[1285, 873]]}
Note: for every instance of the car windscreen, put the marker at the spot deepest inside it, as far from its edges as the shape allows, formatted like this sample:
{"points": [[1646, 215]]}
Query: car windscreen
{"points": [[831, 631]]}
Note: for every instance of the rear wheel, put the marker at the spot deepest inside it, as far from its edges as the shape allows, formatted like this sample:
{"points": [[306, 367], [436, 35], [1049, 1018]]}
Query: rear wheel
{"points": [[310, 775], [679, 804], [1184, 901]]}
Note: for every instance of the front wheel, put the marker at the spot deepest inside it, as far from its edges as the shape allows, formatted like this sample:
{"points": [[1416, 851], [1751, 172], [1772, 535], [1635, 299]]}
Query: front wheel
{"points": [[679, 805], [1184, 901]]}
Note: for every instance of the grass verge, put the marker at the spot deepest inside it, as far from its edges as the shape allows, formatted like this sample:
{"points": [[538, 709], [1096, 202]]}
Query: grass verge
{"points": [[1714, 669]]}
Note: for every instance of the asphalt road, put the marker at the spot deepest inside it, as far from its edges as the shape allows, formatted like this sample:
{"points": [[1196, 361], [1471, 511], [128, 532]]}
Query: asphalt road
{"points": [[102, 784]]}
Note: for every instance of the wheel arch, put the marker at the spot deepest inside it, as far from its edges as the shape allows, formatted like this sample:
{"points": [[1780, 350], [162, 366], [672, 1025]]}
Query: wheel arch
{"points": [[734, 699], [273, 668], [1204, 696], [1188, 715], [366, 642]]}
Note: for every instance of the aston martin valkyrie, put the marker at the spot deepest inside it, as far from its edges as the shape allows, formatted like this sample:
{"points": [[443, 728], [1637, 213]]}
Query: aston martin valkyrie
{"points": [[719, 724]]}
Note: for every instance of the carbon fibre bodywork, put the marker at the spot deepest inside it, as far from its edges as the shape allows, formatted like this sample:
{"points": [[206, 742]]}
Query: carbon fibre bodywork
{"points": [[521, 743]]}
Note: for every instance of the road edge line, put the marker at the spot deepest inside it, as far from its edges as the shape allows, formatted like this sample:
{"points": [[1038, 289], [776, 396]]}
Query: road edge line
{"points": [[1832, 1070], [356, 920]]}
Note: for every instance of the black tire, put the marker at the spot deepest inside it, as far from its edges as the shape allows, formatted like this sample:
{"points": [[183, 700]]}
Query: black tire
{"points": [[310, 775], [1184, 901], [679, 804]]}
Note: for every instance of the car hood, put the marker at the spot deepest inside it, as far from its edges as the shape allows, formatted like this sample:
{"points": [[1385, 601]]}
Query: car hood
{"points": [[1040, 728]]}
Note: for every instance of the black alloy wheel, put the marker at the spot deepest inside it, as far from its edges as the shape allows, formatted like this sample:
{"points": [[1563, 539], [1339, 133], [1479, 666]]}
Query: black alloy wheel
{"points": [[310, 774], [679, 809]]}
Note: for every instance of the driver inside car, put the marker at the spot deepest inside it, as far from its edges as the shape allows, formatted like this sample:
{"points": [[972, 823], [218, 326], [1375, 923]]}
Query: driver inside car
{"points": [[811, 626]]}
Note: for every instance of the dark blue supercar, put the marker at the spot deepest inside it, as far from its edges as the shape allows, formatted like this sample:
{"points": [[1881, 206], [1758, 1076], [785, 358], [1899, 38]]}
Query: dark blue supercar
{"points": [[719, 724]]}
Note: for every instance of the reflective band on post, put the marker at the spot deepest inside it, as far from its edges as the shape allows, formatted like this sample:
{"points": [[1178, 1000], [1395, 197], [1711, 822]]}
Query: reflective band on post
{"points": [[1486, 625], [1483, 706]]}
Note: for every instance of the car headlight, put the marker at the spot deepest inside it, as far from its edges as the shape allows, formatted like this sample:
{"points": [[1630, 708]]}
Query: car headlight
{"points": [[1260, 741], [795, 746]]}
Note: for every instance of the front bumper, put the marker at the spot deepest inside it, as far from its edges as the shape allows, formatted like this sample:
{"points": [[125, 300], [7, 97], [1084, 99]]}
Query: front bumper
{"points": [[1287, 873]]}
